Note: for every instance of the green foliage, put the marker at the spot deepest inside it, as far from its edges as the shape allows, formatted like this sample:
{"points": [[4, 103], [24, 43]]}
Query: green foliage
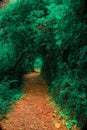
{"points": [[54, 31], [65, 59], [7, 96], [17, 43], [70, 123], [38, 62]]}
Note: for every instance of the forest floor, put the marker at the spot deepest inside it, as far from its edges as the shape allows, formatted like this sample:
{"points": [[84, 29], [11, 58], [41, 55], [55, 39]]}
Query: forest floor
{"points": [[34, 111]]}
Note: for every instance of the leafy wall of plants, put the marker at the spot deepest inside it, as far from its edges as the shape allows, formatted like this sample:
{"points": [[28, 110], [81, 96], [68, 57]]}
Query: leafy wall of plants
{"points": [[66, 59], [56, 31], [16, 49]]}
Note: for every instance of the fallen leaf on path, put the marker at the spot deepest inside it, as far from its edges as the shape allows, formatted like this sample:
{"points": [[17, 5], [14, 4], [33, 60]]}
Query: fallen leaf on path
{"points": [[57, 125]]}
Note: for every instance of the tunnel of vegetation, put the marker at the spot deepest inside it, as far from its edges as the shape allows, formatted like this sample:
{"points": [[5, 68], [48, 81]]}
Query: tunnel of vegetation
{"points": [[56, 32]]}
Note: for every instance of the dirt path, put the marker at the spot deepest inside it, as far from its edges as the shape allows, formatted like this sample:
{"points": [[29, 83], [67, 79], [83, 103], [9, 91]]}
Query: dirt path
{"points": [[34, 111]]}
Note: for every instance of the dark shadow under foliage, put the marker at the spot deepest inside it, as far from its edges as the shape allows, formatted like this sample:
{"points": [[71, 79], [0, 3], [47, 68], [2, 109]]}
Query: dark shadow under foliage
{"points": [[55, 32], [84, 127], [1, 128]]}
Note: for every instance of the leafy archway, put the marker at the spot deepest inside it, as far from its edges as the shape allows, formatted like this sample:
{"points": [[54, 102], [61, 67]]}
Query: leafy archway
{"points": [[55, 32]]}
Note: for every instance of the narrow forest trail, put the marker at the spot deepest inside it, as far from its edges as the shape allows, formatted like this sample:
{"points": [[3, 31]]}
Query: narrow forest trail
{"points": [[34, 111]]}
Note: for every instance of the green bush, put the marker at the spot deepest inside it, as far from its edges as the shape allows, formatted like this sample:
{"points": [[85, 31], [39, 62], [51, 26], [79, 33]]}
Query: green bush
{"points": [[7, 96], [17, 51], [65, 59], [56, 31]]}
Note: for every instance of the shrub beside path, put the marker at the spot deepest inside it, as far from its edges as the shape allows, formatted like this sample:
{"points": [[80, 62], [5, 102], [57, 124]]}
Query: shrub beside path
{"points": [[34, 111]]}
